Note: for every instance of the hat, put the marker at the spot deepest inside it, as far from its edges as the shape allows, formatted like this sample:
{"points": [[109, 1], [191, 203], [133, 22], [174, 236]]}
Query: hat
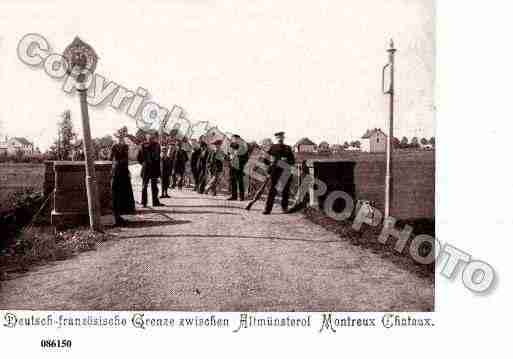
{"points": [[217, 142], [278, 134]]}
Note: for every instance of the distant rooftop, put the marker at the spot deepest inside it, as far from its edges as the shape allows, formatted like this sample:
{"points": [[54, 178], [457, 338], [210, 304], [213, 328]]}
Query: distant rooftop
{"points": [[369, 133], [305, 141]]}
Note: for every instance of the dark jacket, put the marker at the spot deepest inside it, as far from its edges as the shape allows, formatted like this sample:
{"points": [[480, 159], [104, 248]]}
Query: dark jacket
{"points": [[179, 160], [149, 158], [280, 153], [194, 160], [119, 158], [203, 161]]}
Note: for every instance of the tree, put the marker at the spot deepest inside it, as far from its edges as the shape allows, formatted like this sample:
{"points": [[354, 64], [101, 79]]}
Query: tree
{"points": [[404, 142], [63, 146], [423, 141], [414, 142], [345, 146], [432, 141], [324, 147]]}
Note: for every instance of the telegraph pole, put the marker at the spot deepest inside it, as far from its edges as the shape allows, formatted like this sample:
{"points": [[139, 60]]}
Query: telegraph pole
{"points": [[390, 140], [81, 61]]}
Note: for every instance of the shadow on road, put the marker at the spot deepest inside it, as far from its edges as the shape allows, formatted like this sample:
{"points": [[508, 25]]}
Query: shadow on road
{"points": [[205, 212], [171, 211], [211, 236], [152, 223], [200, 198], [201, 206]]}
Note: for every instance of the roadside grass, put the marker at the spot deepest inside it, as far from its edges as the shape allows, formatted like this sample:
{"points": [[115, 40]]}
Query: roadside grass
{"points": [[367, 238], [43, 244]]}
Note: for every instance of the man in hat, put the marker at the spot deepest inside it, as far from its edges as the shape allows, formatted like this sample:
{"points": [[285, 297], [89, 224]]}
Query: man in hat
{"points": [[216, 166], [149, 158], [167, 169], [239, 156], [280, 172]]}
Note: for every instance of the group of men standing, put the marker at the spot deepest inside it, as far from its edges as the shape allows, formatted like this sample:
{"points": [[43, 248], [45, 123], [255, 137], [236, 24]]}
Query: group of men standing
{"points": [[168, 163], [174, 161]]}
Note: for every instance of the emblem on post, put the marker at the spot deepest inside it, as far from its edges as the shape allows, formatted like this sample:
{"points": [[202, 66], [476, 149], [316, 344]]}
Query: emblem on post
{"points": [[81, 59]]}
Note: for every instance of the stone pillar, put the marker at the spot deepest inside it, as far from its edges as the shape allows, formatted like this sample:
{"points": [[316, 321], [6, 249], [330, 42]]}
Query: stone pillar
{"points": [[70, 206]]}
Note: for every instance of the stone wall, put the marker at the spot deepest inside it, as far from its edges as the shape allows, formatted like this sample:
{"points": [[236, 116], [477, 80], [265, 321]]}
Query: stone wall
{"points": [[413, 194]]}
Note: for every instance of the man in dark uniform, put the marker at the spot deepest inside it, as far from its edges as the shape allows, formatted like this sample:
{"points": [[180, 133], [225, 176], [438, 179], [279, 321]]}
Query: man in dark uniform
{"points": [[194, 165], [149, 158], [280, 172], [203, 166], [179, 162], [167, 170], [239, 156]]}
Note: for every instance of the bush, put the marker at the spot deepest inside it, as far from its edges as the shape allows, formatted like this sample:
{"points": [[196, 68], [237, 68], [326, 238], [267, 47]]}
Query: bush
{"points": [[9, 158], [43, 244], [24, 205]]}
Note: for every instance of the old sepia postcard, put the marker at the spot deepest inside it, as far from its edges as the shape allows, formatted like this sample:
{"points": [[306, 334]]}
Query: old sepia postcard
{"points": [[248, 164]]}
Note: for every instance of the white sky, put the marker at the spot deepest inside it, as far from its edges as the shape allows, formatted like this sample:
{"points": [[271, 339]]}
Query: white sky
{"points": [[310, 68]]}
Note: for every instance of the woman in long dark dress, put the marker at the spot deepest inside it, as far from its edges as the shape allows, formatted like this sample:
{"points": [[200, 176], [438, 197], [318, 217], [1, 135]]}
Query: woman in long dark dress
{"points": [[122, 194]]}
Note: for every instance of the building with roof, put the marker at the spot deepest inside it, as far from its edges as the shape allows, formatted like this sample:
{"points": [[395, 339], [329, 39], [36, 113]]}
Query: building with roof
{"points": [[374, 140], [14, 145], [305, 145]]}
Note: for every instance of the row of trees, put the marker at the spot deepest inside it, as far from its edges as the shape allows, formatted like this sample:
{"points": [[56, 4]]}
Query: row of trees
{"points": [[403, 143], [67, 144]]}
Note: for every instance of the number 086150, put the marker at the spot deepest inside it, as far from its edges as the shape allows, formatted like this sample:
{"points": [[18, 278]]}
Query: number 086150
{"points": [[55, 343]]}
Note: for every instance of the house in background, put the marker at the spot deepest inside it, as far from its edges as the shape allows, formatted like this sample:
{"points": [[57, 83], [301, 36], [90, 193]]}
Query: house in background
{"points": [[374, 140], [305, 145], [14, 145]]}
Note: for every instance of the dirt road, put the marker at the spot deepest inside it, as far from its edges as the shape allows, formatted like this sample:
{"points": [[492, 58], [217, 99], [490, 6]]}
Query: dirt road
{"points": [[204, 253]]}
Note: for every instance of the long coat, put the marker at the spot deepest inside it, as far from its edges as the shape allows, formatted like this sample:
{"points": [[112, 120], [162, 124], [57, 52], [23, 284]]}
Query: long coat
{"points": [[149, 158], [122, 193]]}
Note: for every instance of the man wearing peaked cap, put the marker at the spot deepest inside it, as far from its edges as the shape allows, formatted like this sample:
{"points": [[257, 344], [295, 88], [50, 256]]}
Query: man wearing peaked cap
{"points": [[239, 156], [282, 158]]}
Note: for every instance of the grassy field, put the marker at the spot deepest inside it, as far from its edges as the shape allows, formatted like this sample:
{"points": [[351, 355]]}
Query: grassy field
{"points": [[19, 176]]}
